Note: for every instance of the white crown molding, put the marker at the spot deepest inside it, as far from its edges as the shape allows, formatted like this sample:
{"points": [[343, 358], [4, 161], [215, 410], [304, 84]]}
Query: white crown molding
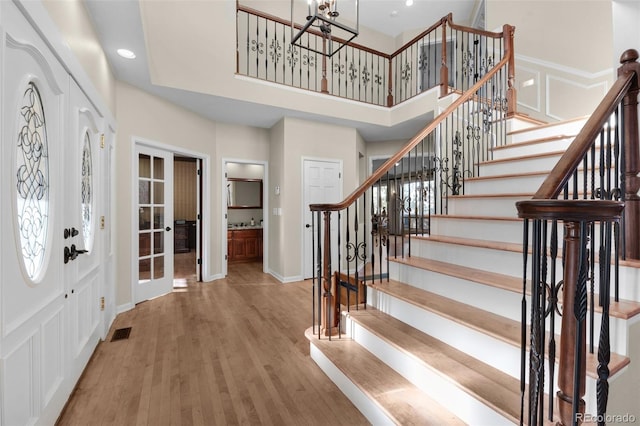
{"points": [[565, 69]]}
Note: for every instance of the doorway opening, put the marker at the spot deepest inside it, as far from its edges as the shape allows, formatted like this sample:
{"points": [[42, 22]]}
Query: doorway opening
{"points": [[187, 212], [245, 213], [170, 245]]}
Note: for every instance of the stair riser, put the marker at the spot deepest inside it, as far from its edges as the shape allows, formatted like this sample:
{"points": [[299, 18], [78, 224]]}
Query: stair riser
{"points": [[504, 185], [453, 398], [492, 299], [535, 164], [517, 150], [490, 206], [501, 302], [487, 349], [369, 408], [567, 128], [500, 230], [510, 263], [499, 261]]}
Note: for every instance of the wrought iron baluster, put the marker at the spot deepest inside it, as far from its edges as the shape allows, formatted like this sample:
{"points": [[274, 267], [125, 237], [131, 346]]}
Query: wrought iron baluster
{"points": [[523, 317], [553, 308]]}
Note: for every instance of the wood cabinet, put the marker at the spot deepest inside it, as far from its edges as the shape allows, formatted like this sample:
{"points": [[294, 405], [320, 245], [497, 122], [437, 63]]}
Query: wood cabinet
{"points": [[181, 238], [244, 245]]}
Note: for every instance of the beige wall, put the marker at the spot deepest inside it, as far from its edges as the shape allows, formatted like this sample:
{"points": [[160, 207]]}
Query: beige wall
{"points": [[148, 117], [292, 140], [576, 34], [563, 54], [71, 18]]}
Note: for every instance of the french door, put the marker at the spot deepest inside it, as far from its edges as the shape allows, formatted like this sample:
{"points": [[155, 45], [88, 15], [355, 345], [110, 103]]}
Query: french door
{"points": [[154, 172]]}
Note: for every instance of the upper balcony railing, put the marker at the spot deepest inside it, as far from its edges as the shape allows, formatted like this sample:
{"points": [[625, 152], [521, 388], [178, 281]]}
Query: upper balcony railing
{"points": [[447, 55]]}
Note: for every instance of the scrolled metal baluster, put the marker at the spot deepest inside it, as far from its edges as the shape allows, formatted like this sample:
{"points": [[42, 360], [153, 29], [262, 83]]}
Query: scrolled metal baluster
{"points": [[523, 320], [604, 350]]}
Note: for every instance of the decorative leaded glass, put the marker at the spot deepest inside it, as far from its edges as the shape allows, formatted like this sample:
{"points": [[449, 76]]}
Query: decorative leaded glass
{"points": [[86, 188], [32, 181]]}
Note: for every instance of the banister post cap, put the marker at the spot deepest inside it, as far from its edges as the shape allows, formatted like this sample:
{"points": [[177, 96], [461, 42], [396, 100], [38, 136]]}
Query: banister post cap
{"points": [[630, 55]]}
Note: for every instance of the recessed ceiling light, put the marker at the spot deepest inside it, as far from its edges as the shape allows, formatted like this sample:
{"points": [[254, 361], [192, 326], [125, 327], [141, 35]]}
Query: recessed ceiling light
{"points": [[126, 53], [393, 13], [408, 2]]}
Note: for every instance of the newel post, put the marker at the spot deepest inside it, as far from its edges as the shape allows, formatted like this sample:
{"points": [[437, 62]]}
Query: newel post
{"points": [[508, 33], [329, 306], [573, 331], [390, 85], [323, 83], [444, 70], [632, 157]]}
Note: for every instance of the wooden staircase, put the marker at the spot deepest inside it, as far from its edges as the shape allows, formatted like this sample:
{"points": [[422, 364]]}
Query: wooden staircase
{"points": [[439, 343]]}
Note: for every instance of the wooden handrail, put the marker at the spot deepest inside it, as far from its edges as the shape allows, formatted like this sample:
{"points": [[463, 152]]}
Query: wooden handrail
{"points": [[448, 19], [279, 20], [413, 141], [561, 172], [472, 30], [419, 36]]}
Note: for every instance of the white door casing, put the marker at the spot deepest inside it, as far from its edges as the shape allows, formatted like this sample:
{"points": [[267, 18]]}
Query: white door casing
{"points": [[322, 183], [153, 172]]}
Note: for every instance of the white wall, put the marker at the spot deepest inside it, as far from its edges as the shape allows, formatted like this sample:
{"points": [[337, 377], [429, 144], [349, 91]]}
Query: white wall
{"points": [[626, 31]]}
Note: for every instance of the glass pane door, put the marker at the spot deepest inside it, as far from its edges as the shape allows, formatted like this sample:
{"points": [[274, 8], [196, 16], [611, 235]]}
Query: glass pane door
{"points": [[155, 219]]}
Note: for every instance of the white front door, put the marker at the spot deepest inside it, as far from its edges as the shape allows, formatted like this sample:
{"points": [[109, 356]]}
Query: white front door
{"points": [[35, 301], [85, 177], [322, 183], [154, 171]]}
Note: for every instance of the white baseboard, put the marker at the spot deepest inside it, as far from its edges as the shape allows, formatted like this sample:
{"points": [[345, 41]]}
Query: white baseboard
{"points": [[124, 308], [285, 280]]}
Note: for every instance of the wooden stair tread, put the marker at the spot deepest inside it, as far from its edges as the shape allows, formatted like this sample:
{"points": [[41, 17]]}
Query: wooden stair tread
{"points": [[488, 384], [401, 399], [468, 217], [546, 125], [517, 195], [523, 157], [526, 117], [624, 309], [488, 323], [507, 176], [533, 141], [494, 245]]}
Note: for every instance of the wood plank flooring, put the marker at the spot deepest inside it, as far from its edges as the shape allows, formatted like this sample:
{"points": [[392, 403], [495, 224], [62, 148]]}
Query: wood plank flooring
{"points": [[228, 352]]}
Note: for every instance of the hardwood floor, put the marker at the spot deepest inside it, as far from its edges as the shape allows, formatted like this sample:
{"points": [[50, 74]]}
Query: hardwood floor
{"points": [[231, 352]]}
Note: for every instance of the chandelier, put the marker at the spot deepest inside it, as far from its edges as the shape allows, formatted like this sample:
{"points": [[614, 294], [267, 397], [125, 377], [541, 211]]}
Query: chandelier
{"points": [[322, 19]]}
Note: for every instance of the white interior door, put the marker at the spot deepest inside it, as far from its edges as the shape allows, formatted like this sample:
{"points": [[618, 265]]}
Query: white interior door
{"points": [[322, 183], [154, 171], [34, 302]]}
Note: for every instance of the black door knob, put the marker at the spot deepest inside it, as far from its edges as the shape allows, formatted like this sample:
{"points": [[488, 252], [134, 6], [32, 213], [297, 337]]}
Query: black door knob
{"points": [[168, 228], [307, 226]]}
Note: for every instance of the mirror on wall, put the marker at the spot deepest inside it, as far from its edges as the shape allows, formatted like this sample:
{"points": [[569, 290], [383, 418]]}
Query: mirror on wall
{"points": [[244, 193]]}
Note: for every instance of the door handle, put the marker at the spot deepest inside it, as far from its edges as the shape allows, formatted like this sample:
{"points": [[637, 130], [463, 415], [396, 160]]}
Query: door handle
{"points": [[307, 226], [70, 253], [168, 228]]}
